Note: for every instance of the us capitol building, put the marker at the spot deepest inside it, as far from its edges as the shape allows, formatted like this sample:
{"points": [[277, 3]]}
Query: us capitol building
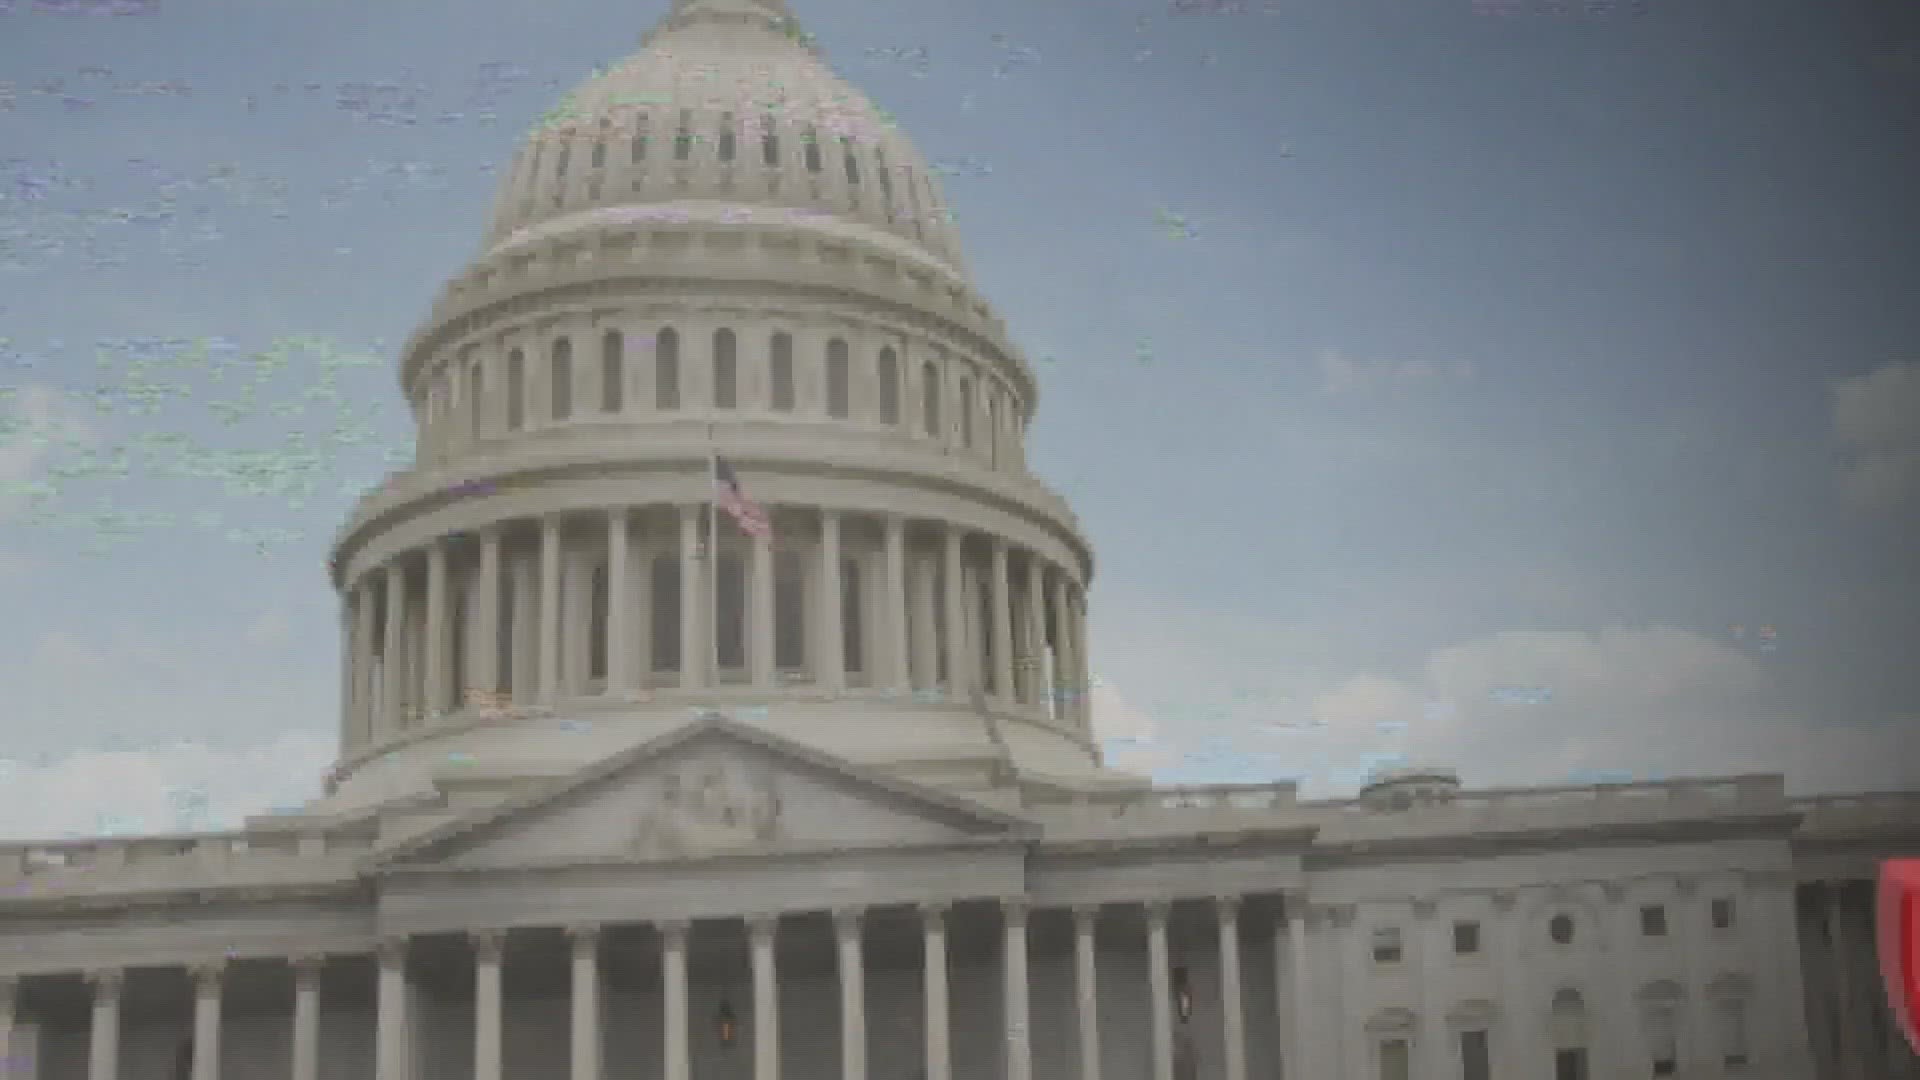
{"points": [[827, 803]]}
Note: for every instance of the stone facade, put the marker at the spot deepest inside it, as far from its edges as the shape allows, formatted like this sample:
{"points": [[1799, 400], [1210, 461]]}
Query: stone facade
{"points": [[625, 792]]}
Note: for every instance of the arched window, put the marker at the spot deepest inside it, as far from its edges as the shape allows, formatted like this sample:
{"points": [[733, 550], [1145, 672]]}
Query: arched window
{"points": [[913, 201], [474, 410], [852, 630], [1568, 1019], [516, 390], [993, 430], [886, 182], [665, 612], [666, 369], [930, 398], [726, 371], [812, 141], [1660, 1021], [683, 139], [770, 142], [964, 406], [838, 378], [562, 379], [789, 611], [731, 596], [1730, 1014], [643, 123], [726, 136], [780, 373], [853, 165], [597, 624], [889, 386], [613, 372]]}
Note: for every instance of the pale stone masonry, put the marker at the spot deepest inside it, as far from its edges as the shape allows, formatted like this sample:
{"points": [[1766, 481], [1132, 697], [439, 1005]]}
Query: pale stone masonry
{"points": [[611, 805]]}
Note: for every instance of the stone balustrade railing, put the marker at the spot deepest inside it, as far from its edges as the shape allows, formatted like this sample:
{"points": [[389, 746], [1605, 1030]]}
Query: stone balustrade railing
{"points": [[106, 855], [1870, 810]]}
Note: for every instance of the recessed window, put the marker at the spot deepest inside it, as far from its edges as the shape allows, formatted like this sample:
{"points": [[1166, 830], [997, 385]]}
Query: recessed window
{"points": [[516, 390], [780, 374], [566, 155], [726, 370], [1395, 1059], [838, 378], [1732, 1014], [726, 137], [1570, 1064], [666, 369], [930, 398], [665, 572], [886, 182], [1653, 921], [853, 165], [852, 635], [1663, 1041], [889, 386], [1476, 1063], [1560, 929], [474, 411], [613, 380], [965, 408], [1723, 913], [562, 377], [1466, 938], [683, 139], [769, 143], [1386, 945], [642, 123], [789, 611], [600, 145], [596, 624], [812, 141]]}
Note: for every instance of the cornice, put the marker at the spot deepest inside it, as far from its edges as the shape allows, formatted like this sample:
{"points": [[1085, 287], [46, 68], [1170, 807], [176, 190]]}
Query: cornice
{"points": [[1201, 840], [18, 906], [1380, 850]]}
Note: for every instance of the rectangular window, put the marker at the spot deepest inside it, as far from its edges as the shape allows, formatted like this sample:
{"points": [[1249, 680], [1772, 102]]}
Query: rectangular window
{"points": [[1475, 1062], [1723, 913], [1570, 1064], [1395, 1060], [1663, 1041], [1386, 945], [1466, 938], [1733, 1032], [1653, 921]]}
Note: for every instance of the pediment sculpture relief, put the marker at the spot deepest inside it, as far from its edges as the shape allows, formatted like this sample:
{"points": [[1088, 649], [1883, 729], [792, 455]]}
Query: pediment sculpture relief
{"points": [[707, 809]]}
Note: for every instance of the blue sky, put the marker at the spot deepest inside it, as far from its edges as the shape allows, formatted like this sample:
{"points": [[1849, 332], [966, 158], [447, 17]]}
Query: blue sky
{"points": [[1392, 353]]}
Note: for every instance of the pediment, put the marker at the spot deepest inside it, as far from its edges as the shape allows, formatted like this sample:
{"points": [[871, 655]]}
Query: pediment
{"points": [[713, 788]]}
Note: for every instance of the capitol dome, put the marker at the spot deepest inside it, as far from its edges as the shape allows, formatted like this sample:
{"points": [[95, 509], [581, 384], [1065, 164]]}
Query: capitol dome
{"points": [[715, 247]]}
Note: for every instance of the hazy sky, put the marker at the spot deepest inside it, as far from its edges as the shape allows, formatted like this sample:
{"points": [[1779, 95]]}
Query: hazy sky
{"points": [[1392, 353]]}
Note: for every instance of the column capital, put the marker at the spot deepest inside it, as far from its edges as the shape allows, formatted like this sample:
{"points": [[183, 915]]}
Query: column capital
{"points": [[619, 515], [762, 929], [1085, 916], [1157, 912], [1686, 886], [1613, 891], [106, 982], [1504, 899], [1227, 908], [392, 952], [934, 916], [584, 937], [846, 921], [1424, 908], [206, 976], [1015, 909], [673, 932], [307, 968], [487, 945]]}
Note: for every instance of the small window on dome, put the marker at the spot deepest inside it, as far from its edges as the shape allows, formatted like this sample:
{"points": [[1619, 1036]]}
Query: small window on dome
{"points": [[516, 389], [726, 137], [813, 150], [726, 371], [886, 182], [642, 124], [781, 373], [964, 406], [839, 379], [769, 143], [566, 156], [562, 377], [889, 386], [683, 140], [853, 164], [600, 145], [930, 398], [613, 379], [666, 369]]}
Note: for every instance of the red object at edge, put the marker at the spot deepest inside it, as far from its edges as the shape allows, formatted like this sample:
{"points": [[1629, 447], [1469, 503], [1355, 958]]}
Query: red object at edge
{"points": [[1899, 916]]}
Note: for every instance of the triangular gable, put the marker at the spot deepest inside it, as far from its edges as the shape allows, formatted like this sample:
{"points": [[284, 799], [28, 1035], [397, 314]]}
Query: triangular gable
{"points": [[710, 787]]}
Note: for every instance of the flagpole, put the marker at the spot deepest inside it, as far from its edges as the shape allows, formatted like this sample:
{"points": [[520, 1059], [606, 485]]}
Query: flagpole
{"points": [[713, 556]]}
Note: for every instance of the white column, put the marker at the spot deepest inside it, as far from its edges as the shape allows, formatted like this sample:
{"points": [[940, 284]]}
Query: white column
{"points": [[695, 651], [1160, 989], [832, 654], [365, 725], [895, 624], [391, 1051], [761, 934], [525, 652], [673, 973], [619, 604], [952, 582], [1036, 615], [760, 614], [549, 610], [1013, 963], [585, 1002], [1773, 893], [103, 1038], [206, 1020], [1430, 1046], [1292, 964], [1621, 1010], [1514, 1032], [487, 945], [1233, 1018], [1086, 988], [306, 1017], [484, 663], [926, 658], [393, 661], [939, 1019], [435, 698], [853, 995], [1001, 629], [1346, 957], [1839, 945]]}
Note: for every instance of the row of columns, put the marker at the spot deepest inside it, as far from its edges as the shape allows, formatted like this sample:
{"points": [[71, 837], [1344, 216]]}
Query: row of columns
{"points": [[908, 603], [393, 1042], [1841, 943]]}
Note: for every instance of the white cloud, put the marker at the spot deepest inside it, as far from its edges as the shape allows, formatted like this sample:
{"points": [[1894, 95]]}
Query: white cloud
{"points": [[1878, 416], [35, 420], [180, 788]]}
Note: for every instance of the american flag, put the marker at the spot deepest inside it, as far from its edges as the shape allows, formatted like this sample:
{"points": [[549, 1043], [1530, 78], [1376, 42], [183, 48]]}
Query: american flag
{"points": [[744, 511]]}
